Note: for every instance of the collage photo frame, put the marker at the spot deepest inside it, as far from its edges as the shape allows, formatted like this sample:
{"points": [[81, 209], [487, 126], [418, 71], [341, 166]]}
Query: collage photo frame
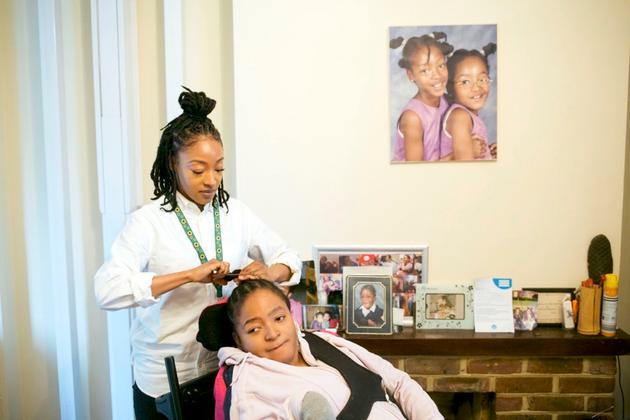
{"points": [[406, 265]]}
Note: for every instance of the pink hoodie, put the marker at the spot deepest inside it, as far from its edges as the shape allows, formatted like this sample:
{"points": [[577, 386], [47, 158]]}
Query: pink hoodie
{"points": [[263, 388]]}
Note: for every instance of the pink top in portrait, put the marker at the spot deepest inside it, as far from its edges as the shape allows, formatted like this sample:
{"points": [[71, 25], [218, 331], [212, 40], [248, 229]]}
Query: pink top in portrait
{"points": [[431, 118]]}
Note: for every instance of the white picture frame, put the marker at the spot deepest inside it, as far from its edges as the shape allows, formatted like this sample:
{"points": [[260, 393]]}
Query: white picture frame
{"points": [[444, 307], [403, 289]]}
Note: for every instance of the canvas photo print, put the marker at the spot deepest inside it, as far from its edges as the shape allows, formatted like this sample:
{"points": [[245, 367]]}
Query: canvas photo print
{"points": [[443, 93]]}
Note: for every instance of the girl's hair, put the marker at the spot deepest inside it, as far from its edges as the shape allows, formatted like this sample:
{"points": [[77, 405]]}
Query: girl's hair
{"points": [[434, 39], [460, 55], [216, 322], [246, 288], [181, 132]]}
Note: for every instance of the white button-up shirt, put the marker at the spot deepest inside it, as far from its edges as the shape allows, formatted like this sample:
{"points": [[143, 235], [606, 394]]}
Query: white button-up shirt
{"points": [[153, 243]]}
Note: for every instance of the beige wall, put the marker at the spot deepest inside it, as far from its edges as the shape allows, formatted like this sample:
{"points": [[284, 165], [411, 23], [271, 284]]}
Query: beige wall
{"points": [[207, 65], [312, 140], [151, 85]]}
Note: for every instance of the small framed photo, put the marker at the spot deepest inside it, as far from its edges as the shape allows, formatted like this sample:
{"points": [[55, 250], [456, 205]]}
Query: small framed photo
{"points": [[407, 265], [524, 309], [550, 301], [322, 318], [368, 304], [444, 307]]}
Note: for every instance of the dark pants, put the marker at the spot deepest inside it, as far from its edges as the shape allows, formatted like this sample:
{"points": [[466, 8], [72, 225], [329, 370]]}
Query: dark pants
{"points": [[144, 406]]}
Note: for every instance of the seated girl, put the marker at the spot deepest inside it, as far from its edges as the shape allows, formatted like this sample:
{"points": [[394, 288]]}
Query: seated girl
{"points": [[272, 370]]}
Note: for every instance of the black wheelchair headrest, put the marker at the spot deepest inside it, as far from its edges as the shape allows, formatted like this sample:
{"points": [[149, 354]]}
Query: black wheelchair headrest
{"points": [[215, 328]]}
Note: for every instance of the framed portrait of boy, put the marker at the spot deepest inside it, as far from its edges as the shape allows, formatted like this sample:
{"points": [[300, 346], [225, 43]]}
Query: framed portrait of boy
{"points": [[368, 304]]}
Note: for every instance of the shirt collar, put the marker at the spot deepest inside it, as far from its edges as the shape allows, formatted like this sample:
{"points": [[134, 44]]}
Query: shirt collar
{"points": [[367, 311], [188, 205]]}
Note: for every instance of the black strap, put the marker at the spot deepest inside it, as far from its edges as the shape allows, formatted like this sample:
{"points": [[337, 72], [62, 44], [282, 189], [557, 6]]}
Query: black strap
{"points": [[365, 385]]}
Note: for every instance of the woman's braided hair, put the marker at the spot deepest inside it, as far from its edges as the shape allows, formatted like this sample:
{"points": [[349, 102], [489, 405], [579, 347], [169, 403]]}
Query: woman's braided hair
{"points": [[181, 132]]}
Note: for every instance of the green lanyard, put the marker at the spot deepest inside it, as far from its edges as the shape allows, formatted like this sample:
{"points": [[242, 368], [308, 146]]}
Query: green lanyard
{"points": [[195, 243]]}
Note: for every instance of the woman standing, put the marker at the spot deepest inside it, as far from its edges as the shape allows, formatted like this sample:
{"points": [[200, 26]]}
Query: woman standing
{"points": [[170, 259]]}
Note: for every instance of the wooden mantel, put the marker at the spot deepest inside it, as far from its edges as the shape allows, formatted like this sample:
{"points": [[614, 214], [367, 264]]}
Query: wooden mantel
{"points": [[542, 341]]}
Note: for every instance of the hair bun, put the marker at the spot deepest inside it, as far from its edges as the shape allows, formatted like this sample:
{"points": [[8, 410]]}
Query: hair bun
{"points": [[490, 48], [396, 42], [196, 104]]}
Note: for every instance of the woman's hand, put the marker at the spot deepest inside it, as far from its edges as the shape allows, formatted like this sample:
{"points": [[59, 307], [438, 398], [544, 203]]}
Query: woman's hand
{"points": [[258, 270], [210, 272], [255, 270]]}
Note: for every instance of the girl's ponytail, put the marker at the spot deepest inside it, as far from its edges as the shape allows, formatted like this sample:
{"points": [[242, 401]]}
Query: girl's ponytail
{"points": [[396, 42], [489, 49]]}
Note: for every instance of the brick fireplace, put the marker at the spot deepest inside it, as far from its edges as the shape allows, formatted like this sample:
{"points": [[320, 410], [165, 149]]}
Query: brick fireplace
{"points": [[523, 388], [545, 374]]}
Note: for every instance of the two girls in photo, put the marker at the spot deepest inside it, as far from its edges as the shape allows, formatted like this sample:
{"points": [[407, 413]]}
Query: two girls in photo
{"points": [[441, 121]]}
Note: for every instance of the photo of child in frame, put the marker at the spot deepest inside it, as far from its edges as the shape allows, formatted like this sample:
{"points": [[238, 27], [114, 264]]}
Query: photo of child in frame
{"points": [[331, 282], [369, 313], [444, 306], [524, 304], [368, 304], [321, 317]]}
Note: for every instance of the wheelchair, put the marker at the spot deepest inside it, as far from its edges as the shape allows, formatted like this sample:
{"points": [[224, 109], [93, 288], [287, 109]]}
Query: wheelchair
{"points": [[190, 400]]}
